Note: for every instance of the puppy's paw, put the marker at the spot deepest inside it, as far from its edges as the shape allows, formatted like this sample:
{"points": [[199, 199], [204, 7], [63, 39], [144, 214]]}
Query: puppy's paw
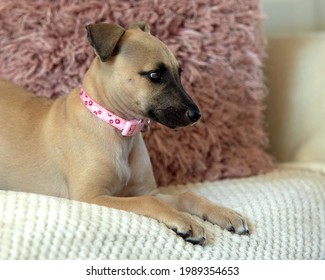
{"points": [[188, 229], [228, 219]]}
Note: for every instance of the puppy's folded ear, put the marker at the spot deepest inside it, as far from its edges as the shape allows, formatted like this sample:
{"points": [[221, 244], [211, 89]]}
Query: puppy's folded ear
{"points": [[104, 37], [140, 25]]}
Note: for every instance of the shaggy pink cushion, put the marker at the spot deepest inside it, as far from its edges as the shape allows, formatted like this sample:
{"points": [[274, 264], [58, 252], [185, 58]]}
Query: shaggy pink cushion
{"points": [[43, 47]]}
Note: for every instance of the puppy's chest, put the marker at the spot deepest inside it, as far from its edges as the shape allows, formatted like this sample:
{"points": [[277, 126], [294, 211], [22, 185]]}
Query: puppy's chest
{"points": [[123, 170]]}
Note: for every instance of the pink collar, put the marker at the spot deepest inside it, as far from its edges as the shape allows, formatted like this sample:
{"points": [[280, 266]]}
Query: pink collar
{"points": [[128, 128]]}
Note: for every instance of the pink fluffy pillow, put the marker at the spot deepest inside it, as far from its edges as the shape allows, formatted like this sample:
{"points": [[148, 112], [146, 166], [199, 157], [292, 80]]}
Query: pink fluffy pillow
{"points": [[43, 47]]}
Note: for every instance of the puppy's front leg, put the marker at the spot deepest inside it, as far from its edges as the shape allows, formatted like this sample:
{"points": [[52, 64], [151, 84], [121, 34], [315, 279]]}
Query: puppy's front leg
{"points": [[194, 204], [149, 206]]}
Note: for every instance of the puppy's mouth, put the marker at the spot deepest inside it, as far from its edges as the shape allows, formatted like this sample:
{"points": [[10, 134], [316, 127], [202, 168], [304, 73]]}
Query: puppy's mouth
{"points": [[173, 117]]}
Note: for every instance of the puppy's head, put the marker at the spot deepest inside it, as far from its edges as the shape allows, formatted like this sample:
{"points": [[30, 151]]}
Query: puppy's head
{"points": [[142, 74]]}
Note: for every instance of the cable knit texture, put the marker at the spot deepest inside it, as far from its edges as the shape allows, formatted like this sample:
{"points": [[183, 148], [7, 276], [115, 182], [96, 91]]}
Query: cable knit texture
{"points": [[43, 47], [285, 209]]}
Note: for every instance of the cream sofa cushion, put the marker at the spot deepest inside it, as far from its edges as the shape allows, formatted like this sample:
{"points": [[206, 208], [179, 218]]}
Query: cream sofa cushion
{"points": [[285, 209], [295, 71]]}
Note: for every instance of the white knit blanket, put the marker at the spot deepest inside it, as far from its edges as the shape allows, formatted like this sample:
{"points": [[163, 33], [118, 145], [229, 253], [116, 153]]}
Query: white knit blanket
{"points": [[285, 208]]}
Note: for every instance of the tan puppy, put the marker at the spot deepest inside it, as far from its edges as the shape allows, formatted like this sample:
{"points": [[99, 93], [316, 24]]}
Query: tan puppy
{"points": [[61, 148]]}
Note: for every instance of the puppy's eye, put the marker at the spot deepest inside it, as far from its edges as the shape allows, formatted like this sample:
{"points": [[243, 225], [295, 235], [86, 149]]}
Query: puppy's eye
{"points": [[155, 76]]}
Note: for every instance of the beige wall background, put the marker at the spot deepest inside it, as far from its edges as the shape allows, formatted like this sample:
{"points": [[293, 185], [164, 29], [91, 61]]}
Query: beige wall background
{"points": [[293, 16]]}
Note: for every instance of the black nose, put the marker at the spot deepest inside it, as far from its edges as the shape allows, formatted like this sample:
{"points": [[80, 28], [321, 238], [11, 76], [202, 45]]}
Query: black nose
{"points": [[193, 114]]}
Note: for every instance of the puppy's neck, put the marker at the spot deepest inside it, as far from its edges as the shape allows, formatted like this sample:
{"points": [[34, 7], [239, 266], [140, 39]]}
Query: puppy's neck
{"points": [[99, 83]]}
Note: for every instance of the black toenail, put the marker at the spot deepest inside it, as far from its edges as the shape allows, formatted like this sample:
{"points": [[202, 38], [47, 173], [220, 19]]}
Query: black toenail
{"points": [[196, 242], [231, 229], [185, 234]]}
